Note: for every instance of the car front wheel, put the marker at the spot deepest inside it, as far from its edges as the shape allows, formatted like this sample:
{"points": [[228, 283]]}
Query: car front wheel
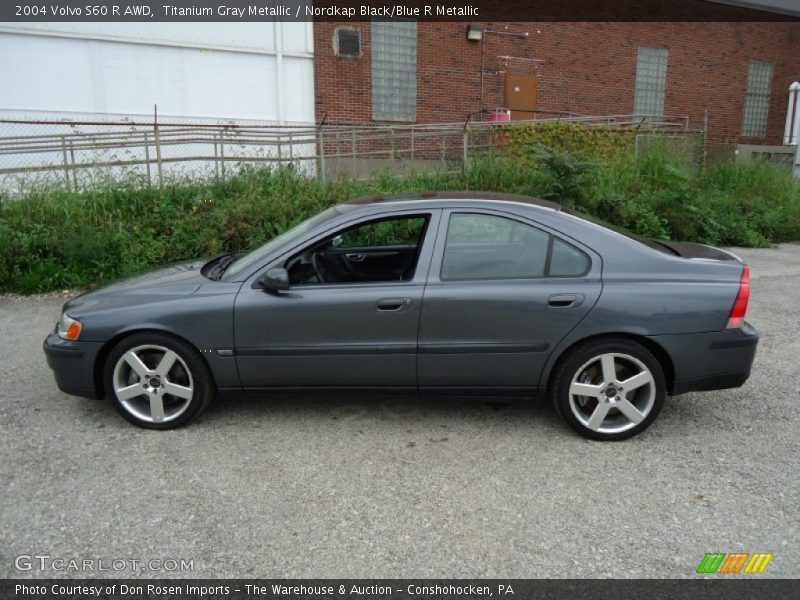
{"points": [[157, 381], [609, 389]]}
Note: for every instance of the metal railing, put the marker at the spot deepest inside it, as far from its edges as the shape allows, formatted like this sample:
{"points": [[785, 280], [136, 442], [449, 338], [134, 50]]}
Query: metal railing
{"points": [[76, 154]]}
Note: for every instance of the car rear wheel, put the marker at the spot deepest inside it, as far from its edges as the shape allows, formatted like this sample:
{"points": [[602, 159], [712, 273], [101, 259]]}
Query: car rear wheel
{"points": [[609, 389], [157, 381]]}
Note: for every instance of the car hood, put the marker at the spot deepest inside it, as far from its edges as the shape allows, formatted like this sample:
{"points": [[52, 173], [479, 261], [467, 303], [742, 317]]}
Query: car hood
{"points": [[177, 280]]}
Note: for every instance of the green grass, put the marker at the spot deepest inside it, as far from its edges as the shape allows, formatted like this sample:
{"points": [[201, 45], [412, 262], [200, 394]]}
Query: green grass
{"points": [[54, 239]]}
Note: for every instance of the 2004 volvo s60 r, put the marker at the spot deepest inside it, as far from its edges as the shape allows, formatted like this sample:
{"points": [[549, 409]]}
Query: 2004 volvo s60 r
{"points": [[450, 293]]}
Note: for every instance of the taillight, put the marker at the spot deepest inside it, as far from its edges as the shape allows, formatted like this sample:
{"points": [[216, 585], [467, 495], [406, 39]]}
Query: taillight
{"points": [[736, 318]]}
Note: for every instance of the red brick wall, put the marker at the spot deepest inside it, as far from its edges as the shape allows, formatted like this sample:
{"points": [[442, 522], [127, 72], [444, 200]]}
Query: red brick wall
{"points": [[587, 68]]}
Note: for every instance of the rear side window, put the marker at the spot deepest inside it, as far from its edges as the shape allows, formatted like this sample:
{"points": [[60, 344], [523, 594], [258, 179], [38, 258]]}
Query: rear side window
{"points": [[567, 260], [482, 246], [490, 247]]}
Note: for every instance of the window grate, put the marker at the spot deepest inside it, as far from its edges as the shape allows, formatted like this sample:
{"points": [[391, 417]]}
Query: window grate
{"points": [[756, 105], [651, 81], [394, 71]]}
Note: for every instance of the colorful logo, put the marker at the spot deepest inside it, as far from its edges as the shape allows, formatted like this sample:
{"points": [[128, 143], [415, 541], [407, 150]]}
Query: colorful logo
{"points": [[735, 562]]}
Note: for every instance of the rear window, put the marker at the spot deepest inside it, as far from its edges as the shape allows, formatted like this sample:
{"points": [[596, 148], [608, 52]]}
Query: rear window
{"points": [[649, 242]]}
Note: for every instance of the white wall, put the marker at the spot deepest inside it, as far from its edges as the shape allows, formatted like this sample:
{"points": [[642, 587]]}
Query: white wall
{"points": [[220, 71], [253, 73]]}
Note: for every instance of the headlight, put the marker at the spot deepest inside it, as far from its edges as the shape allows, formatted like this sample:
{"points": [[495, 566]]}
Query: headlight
{"points": [[69, 328]]}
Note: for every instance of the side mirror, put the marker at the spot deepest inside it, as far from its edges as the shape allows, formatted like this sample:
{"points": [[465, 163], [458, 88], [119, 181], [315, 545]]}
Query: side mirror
{"points": [[275, 280]]}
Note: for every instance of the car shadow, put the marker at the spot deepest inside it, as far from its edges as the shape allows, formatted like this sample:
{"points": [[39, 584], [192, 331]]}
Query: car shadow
{"points": [[399, 408]]}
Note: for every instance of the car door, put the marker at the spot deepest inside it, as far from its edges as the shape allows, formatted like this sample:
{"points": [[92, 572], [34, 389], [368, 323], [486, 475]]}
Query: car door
{"points": [[351, 314], [502, 293]]}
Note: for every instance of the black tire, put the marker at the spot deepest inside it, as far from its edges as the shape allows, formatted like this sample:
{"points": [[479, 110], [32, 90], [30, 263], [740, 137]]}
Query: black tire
{"points": [[647, 400], [189, 371]]}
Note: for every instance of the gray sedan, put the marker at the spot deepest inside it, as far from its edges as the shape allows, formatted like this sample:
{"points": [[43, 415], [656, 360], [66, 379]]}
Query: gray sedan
{"points": [[445, 293]]}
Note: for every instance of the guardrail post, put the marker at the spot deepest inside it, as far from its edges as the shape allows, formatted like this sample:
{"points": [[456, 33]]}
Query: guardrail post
{"points": [[466, 149], [147, 158], [158, 154], [391, 147], [705, 138], [321, 143], [74, 170], [222, 152], [216, 155], [66, 164], [353, 150]]}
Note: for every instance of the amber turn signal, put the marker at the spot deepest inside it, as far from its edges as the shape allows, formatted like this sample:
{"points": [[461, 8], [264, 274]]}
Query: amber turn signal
{"points": [[69, 328]]}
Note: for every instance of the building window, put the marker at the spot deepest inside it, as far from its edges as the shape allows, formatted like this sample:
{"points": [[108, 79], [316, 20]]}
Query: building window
{"points": [[394, 71], [347, 42], [651, 80], [756, 104]]}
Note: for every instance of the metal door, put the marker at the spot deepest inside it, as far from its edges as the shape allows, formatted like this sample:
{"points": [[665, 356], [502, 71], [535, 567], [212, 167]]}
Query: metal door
{"points": [[521, 95]]}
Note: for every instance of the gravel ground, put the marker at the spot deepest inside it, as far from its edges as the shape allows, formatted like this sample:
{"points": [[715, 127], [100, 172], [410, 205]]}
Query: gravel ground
{"points": [[405, 487]]}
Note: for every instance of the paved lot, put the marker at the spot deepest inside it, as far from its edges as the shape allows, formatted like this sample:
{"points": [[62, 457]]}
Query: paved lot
{"points": [[389, 487]]}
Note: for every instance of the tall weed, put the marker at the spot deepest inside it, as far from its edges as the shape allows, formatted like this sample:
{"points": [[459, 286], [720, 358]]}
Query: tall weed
{"points": [[51, 238]]}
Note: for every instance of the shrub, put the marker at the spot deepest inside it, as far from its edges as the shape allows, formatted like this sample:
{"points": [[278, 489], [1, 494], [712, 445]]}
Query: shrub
{"points": [[590, 142], [52, 239]]}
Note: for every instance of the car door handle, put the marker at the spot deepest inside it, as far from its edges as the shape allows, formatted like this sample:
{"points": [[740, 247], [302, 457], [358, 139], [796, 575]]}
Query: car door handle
{"points": [[393, 304], [354, 257], [565, 300]]}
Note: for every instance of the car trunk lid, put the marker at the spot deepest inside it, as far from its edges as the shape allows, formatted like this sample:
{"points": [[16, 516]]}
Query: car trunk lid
{"points": [[699, 251]]}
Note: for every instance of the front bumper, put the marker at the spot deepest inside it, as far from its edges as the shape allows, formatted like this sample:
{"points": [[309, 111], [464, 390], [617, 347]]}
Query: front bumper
{"points": [[710, 361], [73, 365]]}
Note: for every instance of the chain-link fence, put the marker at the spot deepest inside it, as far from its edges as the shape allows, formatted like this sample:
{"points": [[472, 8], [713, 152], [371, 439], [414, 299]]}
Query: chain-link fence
{"points": [[80, 154]]}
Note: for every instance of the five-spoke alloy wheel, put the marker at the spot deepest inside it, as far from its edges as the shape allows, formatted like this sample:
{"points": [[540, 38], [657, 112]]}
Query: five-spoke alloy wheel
{"points": [[609, 389], [157, 381]]}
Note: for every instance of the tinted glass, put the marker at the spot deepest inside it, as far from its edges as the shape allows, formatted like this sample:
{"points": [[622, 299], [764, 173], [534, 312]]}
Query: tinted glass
{"points": [[654, 244], [490, 247], [253, 258], [384, 250], [393, 232], [567, 260]]}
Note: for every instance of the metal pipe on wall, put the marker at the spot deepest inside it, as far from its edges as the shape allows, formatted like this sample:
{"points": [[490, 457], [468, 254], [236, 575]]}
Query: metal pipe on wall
{"points": [[790, 132]]}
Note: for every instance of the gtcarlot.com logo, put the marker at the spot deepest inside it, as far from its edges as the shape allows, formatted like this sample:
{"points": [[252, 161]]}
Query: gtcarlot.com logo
{"points": [[45, 562], [734, 562]]}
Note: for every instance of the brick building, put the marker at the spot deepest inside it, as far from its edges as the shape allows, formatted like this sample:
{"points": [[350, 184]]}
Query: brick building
{"points": [[736, 72]]}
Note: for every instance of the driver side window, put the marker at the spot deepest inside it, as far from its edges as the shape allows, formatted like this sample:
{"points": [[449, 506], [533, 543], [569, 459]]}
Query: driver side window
{"points": [[376, 251]]}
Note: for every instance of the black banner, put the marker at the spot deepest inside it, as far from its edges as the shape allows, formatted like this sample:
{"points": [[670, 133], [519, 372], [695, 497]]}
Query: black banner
{"points": [[711, 588], [366, 10]]}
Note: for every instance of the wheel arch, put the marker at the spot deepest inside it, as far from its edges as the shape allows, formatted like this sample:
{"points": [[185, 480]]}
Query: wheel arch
{"points": [[661, 355], [105, 350]]}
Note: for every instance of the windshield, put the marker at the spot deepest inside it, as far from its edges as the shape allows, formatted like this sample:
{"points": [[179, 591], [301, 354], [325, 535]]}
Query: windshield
{"points": [[254, 257]]}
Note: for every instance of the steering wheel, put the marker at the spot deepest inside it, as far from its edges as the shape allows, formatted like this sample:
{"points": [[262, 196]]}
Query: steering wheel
{"points": [[324, 268]]}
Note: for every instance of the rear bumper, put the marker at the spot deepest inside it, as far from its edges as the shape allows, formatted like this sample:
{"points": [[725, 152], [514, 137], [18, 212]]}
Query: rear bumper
{"points": [[710, 361], [72, 364], [715, 382]]}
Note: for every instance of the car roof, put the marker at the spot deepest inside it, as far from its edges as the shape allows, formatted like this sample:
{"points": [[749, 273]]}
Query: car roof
{"points": [[457, 197]]}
